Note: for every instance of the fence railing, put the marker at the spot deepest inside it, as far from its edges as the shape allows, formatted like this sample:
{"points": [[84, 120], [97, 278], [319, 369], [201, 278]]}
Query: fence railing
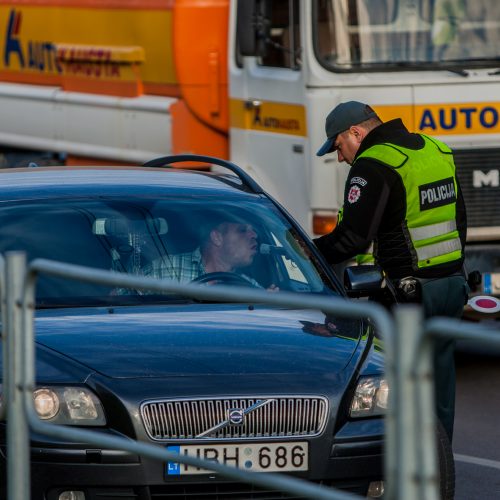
{"points": [[410, 458]]}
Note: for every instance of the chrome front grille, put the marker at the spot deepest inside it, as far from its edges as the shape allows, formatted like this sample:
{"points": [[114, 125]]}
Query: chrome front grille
{"points": [[281, 417]]}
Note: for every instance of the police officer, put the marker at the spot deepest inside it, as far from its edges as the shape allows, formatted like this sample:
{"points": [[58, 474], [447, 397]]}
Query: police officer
{"points": [[402, 193]]}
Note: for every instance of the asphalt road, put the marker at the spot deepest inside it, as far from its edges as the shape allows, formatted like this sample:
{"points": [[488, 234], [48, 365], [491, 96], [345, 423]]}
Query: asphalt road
{"points": [[476, 442]]}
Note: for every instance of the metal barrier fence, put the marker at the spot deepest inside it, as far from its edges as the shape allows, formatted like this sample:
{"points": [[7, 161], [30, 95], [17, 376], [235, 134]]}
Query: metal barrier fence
{"points": [[410, 458]]}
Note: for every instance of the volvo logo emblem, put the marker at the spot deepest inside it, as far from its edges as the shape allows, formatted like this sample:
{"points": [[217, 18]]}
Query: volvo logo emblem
{"points": [[236, 416]]}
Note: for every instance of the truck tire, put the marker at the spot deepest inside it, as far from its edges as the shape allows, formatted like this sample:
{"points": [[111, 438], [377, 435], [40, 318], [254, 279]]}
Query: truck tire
{"points": [[446, 464]]}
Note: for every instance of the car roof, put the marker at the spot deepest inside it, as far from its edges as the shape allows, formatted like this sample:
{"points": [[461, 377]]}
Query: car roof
{"points": [[43, 182]]}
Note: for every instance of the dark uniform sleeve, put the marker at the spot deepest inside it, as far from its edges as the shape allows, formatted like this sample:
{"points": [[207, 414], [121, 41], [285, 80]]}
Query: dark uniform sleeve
{"points": [[461, 216], [365, 198]]}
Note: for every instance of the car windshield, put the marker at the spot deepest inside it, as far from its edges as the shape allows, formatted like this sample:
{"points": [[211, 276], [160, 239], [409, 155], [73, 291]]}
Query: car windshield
{"points": [[162, 238]]}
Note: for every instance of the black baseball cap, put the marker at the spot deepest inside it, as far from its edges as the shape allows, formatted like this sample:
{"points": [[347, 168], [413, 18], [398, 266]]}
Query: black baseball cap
{"points": [[341, 118]]}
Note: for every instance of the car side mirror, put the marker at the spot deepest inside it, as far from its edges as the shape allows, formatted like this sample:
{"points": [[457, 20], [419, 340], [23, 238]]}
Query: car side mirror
{"points": [[363, 281]]}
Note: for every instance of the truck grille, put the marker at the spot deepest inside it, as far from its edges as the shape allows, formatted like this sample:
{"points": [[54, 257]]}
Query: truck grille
{"points": [[281, 417], [482, 202]]}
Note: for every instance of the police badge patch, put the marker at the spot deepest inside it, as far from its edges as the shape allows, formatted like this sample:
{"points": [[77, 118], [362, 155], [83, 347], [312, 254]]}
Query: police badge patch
{"points": [[354, 194], [359, 180]]}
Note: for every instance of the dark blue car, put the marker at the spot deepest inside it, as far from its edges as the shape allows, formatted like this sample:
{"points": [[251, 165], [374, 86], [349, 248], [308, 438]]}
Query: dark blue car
{"points": [[262, 388]]}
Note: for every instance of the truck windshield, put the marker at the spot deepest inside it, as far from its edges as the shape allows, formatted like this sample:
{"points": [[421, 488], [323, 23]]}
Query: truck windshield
{"points": [[417, 34]]}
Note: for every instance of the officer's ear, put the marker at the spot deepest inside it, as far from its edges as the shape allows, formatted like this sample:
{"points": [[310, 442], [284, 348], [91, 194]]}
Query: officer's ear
{"points": [[357, 132]]}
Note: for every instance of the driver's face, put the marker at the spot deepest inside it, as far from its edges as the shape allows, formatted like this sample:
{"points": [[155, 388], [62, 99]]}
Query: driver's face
{"points": [[239, 244]]}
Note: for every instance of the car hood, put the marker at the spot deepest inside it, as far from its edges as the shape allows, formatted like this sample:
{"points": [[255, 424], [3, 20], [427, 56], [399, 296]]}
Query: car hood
{"points": [[196, 340]]}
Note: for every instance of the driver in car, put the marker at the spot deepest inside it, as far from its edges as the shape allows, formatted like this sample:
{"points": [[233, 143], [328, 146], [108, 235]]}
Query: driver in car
{"points": [[225, 247]]}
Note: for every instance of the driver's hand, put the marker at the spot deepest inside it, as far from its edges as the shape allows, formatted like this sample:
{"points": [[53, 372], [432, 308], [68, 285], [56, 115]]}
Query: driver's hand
{"points": [[273, 288]]}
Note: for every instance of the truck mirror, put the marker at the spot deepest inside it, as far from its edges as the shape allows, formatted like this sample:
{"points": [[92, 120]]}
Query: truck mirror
{"points": [[253, 27]]}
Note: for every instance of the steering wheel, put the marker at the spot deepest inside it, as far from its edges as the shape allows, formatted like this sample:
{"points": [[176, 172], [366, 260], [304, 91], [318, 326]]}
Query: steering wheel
{"points": [[222, 277]]}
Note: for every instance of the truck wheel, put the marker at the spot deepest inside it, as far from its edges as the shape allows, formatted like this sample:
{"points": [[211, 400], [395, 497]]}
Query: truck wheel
{"points": [[446, 464]]}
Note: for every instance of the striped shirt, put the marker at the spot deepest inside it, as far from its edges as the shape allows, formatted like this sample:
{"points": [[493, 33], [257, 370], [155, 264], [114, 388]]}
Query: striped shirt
{"points": [[183, 267]]}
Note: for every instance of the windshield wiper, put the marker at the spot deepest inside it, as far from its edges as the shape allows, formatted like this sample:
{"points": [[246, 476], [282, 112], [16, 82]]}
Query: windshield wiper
{"points": [[466, 65], [114, 301], [430, 66], [458, 71]]}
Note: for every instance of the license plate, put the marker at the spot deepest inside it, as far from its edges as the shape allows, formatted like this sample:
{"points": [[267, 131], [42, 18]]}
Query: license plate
{"points": [[257, 457]]}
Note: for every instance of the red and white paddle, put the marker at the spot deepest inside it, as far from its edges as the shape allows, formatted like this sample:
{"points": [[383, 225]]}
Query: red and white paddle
{"points": [[484, 304]]}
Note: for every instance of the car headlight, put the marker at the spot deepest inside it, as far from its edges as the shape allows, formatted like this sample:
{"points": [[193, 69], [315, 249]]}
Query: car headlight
{"points": [[68, 406], [370, 397], [46, 403]]}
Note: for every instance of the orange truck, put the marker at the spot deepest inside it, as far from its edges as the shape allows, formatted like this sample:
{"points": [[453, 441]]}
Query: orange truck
{"points": [[123, 81]]}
